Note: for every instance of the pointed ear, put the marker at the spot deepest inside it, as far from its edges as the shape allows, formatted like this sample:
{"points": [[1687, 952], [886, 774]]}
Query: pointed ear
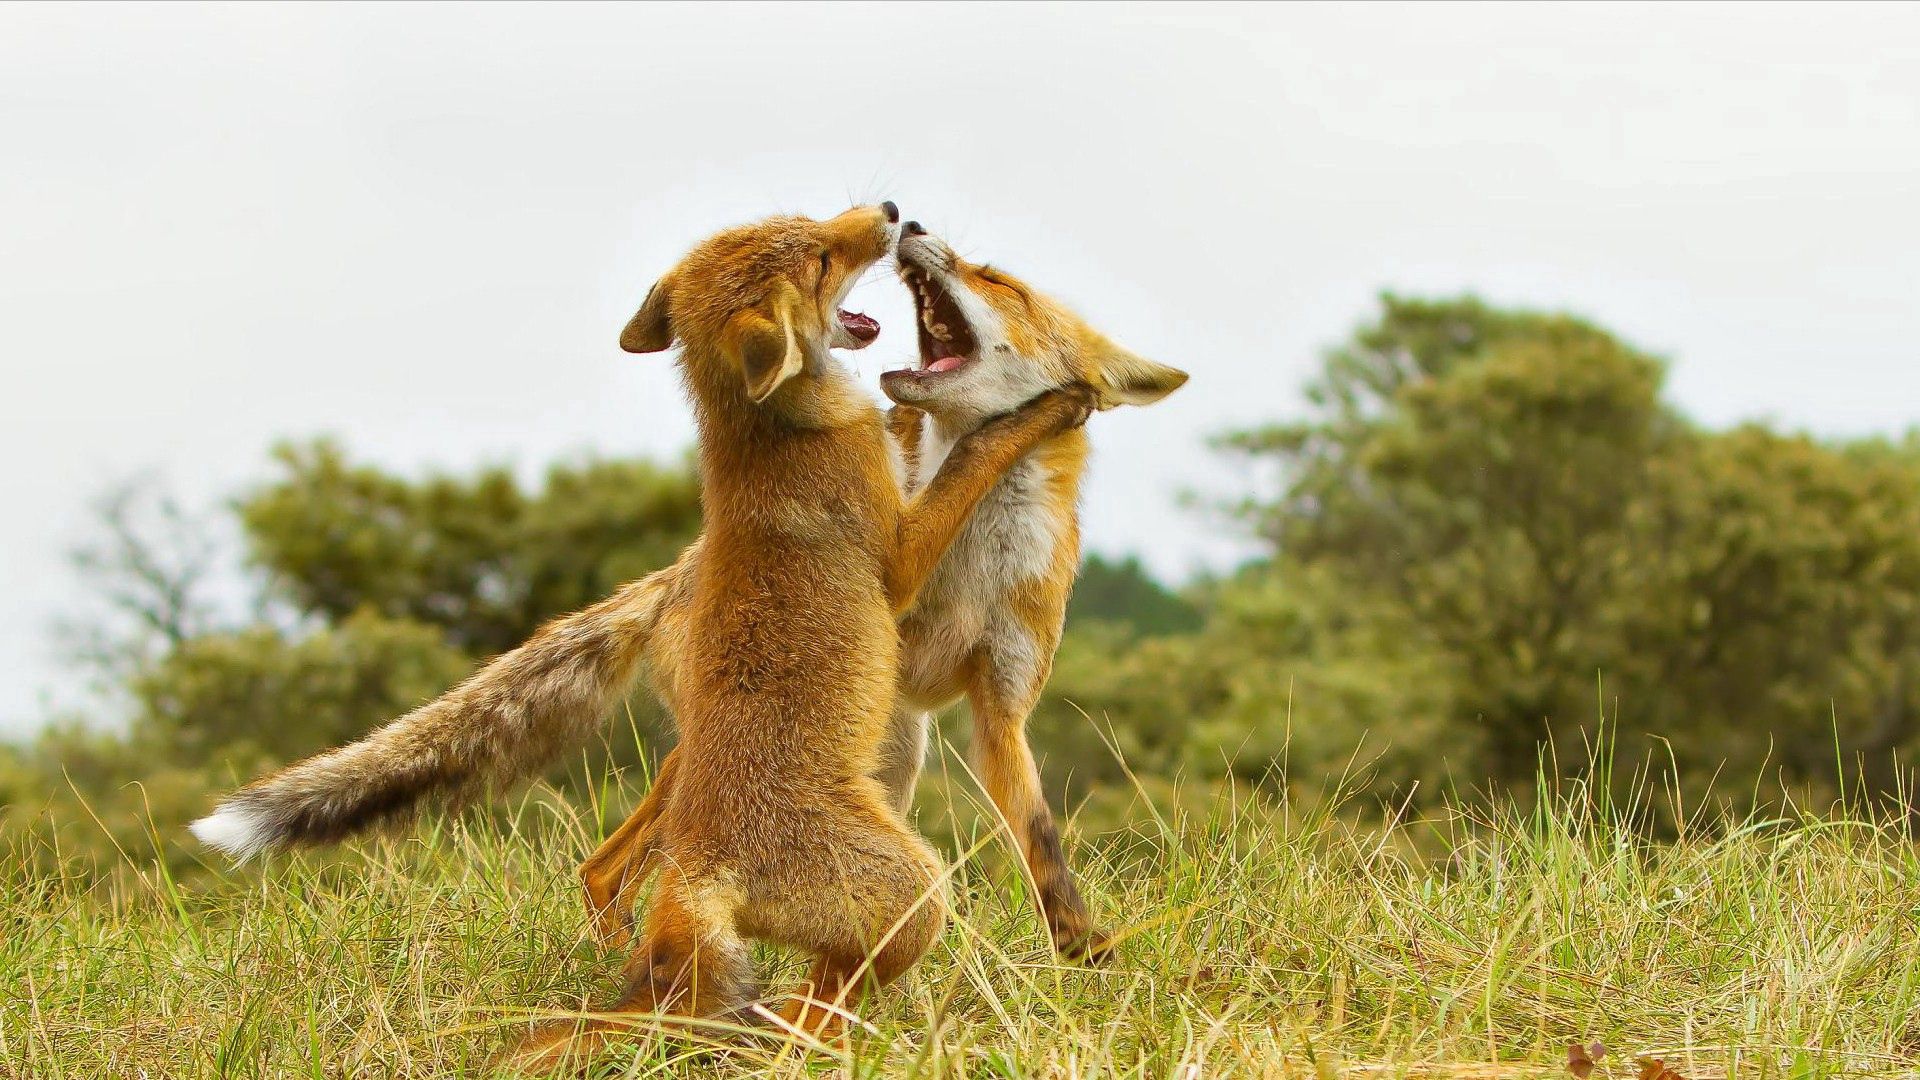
{"points": [[650, 329], [768, 350], [1126, 379]]}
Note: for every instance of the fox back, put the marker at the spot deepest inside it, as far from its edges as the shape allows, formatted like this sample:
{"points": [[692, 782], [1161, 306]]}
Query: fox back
{"points": [[788, 604]]}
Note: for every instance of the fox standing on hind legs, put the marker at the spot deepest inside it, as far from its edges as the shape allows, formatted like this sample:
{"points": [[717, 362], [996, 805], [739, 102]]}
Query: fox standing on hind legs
{"points": [[987, 622], [778, 828]]}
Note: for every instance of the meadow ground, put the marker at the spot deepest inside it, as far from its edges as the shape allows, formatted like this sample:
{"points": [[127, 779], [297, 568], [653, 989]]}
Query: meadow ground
{"points": [[1259, 940]]}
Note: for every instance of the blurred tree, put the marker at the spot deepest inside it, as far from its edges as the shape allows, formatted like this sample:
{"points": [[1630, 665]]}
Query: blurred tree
{"points": [[385, 591], [149, 567], [1121, 591], [479, 558], [1783, 611], [1288, 670], [255, 695], [1508, 486]]}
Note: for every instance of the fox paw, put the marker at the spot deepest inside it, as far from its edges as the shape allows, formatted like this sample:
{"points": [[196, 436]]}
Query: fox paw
{"points": [[1077, 403]]}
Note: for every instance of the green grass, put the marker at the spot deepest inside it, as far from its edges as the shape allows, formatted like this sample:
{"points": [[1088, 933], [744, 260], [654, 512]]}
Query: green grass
{"points": [[1261, 940]]}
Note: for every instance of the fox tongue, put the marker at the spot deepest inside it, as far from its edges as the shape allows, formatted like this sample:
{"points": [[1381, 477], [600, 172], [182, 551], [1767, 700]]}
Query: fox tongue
{"points": [[946, 363]]}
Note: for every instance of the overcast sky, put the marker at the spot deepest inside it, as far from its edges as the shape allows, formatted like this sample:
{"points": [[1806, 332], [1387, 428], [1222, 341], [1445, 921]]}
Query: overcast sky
{"points": [[421, 228]]}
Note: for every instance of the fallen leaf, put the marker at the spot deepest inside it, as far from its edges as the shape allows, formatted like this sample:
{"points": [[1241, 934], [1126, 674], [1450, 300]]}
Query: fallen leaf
{"points": [[1652, 1068], [1581, 1059]]}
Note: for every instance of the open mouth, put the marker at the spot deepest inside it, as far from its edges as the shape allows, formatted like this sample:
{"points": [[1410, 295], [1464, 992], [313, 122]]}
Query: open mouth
{"points": [[853, 330], [946, 341]]}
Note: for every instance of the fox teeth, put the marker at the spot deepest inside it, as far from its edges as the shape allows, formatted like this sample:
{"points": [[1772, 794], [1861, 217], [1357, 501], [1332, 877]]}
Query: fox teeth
{"points": [[940, 331]]}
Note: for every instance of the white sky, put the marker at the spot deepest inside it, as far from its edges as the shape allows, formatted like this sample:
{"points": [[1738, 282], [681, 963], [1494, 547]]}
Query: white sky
{"points": [[421, 228]]}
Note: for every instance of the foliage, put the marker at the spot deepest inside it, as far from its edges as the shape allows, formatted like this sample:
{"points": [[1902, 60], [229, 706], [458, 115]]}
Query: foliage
{"points": [[1501, 500], [1280, 674], [479, 558], [379, 592], [257, 693], [1122, 591]]}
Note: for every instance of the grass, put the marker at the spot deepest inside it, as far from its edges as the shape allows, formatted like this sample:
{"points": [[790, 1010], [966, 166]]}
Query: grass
{"points": [[1261, 940]]}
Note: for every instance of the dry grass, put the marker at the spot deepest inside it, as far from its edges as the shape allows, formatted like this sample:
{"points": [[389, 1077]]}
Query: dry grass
{"points": [[1260, 941]]}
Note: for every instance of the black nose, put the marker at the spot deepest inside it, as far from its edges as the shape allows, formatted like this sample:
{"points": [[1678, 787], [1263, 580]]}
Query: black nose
{"points": [[892, 211], [914, 228]]}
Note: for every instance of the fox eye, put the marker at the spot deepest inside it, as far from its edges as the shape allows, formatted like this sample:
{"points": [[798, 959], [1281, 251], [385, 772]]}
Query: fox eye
{"points": [[826, 263], [987, 275]]}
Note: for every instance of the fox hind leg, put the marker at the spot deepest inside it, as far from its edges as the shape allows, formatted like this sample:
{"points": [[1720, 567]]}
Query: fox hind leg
{"points": [[691, 962], [874, 911], [1003, 692], [903, 753], [821, 1005], [621, 862]]}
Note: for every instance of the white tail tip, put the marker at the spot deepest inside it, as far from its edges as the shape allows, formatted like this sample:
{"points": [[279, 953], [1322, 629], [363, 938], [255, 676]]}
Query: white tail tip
{"points": [[238, 832]]}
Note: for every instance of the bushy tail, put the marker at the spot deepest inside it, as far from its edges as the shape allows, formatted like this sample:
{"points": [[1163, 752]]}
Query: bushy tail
{"points": [[506, 723]]}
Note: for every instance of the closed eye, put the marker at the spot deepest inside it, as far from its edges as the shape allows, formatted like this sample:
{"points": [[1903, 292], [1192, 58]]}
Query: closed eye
{"points": [[987, 275]]}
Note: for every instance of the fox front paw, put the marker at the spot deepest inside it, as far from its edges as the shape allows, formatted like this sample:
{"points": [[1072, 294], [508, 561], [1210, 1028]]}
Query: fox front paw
{"points": [[1070, 405]]}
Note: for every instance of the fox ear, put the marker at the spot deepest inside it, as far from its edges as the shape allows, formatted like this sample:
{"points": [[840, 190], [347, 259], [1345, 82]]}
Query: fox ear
{"points": [[1126, 379], [768, 349], [650, 329]]}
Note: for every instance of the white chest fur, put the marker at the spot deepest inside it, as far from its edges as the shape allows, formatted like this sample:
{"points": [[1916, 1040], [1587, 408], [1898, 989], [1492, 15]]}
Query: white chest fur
{"points": [[1009, 541]]}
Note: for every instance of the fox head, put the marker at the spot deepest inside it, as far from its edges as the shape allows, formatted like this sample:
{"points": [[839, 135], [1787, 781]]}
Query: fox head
{"points": [[761, 302], [989, 342]]}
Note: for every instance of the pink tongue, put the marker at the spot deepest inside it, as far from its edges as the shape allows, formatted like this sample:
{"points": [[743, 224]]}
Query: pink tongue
{"points": [[860, 326], [946, 363]]}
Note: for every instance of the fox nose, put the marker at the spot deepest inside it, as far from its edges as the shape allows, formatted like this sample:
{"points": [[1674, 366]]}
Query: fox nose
{"points": [[892, 212], [914, 228]]}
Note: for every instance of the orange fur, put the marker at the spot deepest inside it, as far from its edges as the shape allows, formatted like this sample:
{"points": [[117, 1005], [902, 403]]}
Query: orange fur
{"points": [[784, 662], [987, 624]]}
